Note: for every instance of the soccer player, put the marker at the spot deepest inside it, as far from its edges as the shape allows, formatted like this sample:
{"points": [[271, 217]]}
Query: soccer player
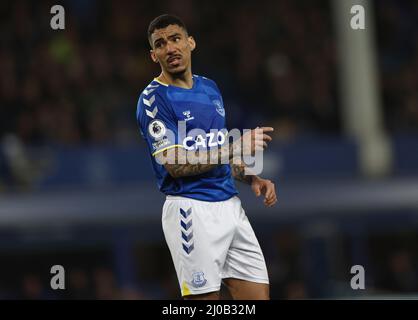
{"points": [[207, 231]]}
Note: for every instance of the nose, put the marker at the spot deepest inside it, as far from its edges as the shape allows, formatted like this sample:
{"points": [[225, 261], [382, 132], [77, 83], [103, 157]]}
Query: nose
{"points": [[170, 47]]}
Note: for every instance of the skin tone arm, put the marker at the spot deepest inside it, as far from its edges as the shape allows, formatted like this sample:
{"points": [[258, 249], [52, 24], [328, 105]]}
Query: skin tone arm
{"points": [[259, 185], [239, 174], [176, 160], [176, 163]]}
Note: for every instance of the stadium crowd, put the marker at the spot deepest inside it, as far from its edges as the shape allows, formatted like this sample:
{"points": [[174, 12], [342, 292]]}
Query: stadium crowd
{"points": [[80, 85], [392, 271]]}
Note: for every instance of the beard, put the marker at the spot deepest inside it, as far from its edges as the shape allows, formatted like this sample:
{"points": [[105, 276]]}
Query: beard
{"points": [[177, 72]]}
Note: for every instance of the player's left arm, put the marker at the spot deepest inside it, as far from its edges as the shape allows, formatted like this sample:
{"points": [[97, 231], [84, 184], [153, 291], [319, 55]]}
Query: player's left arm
{"points": [[259, 185]]}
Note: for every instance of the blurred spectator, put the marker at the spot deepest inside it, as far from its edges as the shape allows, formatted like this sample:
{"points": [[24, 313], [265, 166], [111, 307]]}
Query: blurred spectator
{"points": [[79, 286], [81, 84], [32, 288], [397, 30], [402, 275], [296, 290], [285, 270], [104, 284], [131, 293]]}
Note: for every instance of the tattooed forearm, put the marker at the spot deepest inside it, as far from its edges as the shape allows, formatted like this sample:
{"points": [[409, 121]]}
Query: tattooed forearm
{"points": [[185, 170], [182, 163], [182, 168], [238, 172]]}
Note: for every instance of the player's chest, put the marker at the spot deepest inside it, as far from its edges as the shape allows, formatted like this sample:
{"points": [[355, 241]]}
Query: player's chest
{"points": [[200, 111]]}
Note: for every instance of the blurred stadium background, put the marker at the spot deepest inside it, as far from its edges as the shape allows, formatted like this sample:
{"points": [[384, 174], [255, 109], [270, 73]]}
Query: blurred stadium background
{"points": [[76, 186]]}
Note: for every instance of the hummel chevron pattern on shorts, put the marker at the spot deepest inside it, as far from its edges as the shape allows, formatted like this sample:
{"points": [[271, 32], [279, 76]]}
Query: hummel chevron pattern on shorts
{"points": [[186, 230]]}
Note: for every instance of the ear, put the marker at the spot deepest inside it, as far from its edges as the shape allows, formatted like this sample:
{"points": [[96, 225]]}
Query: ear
{"points": [[191, 42], [153, 56]]}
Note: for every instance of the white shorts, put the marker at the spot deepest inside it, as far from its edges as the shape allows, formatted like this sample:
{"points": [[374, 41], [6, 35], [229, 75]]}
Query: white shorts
{"points": [[210, 241]]}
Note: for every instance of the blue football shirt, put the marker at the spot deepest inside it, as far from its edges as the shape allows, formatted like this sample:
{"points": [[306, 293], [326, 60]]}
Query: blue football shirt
{"points": [[170, 116]]}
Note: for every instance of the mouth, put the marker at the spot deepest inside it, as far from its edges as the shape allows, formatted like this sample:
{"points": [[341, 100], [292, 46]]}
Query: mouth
{"points": [[174, 60]]}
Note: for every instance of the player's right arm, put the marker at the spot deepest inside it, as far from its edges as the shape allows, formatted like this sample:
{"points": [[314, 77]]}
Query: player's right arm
{"points": [[178, 165], [177, 160], [159, 127]]}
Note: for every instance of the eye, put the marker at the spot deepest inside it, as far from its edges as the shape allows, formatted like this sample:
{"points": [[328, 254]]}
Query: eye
{"points": [[177, 39]]}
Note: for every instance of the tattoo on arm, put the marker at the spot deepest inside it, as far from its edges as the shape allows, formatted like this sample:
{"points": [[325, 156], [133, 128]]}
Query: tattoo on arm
{"points": [[178, 164], [181, 168], [238, 172]]}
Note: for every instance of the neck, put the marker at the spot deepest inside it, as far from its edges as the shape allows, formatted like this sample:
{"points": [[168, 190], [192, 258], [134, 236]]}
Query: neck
{"points": [[183, 80]]}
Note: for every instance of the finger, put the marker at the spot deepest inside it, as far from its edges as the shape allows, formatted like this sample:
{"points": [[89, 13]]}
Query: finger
{"points": [[270, 191], [260, 144], [271, 202], [258, 134], [272, 198], [261, 138], [267, 137], [267, 129], [259, 147]]}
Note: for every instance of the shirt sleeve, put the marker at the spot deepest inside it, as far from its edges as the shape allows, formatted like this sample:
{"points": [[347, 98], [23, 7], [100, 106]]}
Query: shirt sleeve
{"points": [[157, 123]]}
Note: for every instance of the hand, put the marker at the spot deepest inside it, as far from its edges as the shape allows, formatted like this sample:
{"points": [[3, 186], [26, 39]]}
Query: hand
{"points": [[264, 187], [255, 140]]}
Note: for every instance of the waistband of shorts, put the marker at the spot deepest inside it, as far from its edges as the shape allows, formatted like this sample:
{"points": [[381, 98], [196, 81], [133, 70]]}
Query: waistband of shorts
{"points": [[171, 197]]}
